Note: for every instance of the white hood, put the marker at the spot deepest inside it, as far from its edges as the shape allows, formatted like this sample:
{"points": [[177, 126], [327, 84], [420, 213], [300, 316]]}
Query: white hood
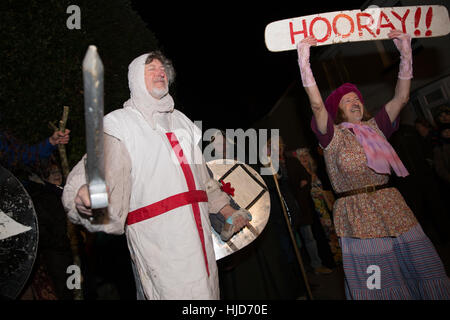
{"points": [[140, 98]]}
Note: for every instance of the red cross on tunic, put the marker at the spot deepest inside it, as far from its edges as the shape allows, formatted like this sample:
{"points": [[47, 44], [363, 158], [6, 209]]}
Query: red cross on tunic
{"points": [[191, 197]]}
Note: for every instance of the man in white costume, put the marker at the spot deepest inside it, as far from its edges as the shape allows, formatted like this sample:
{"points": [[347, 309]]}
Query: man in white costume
{"points": [[160, 193]]}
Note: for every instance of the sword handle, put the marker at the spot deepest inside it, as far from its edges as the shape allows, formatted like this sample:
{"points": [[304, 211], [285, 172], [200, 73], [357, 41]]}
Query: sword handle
{"points": [[98, 194]]}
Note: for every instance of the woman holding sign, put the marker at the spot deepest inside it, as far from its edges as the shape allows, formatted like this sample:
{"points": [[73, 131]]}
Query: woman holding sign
{"points": [[386, 255]]}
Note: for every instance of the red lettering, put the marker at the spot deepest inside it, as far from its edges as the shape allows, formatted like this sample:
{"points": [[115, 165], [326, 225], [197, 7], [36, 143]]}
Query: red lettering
{"points": [[402, 19], [328, 33], [366, 26], [352, 25], [388, 23], [428, 21], [294, 33]]}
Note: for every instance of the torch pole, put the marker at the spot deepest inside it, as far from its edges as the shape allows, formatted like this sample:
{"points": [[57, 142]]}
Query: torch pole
{"points": [[288, 223]]}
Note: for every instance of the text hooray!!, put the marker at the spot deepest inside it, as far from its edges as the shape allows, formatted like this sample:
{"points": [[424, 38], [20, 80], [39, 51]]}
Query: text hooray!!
{"points": [[357, 25]]}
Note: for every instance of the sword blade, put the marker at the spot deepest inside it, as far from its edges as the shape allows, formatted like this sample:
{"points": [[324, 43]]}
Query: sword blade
{"points": [[93, 113]]}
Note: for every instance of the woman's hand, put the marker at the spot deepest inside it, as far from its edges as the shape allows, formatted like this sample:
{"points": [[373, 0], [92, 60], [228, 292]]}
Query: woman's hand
{"points": [[303, 51], [402, 42]]}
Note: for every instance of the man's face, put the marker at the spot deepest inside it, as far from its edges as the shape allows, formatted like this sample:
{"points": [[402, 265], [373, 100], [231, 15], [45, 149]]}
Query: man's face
{"points": [[352, 107], [156, 80]]}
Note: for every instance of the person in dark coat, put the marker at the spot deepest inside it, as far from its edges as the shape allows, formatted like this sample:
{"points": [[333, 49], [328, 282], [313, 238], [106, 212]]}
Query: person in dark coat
{"points": [[420, 189], [54, 253], [441, 151], [308, 224], [13, 152], [323, 200], [265, 269]]}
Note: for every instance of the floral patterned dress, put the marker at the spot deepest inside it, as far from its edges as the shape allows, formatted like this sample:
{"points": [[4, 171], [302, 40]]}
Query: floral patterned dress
{"points": [[378, 229], [365, 215]]}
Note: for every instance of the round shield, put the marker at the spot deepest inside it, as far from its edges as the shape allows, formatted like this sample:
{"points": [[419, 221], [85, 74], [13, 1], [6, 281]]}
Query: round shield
{"points": [[251, 193], [18, 236]]}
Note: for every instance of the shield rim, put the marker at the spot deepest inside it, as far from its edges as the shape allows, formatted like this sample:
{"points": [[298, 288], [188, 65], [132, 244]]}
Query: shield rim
{"points": [[33, 233]]}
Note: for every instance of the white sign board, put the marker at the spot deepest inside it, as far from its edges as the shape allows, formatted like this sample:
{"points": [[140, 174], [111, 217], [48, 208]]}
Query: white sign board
{"points": [[356, 25]]}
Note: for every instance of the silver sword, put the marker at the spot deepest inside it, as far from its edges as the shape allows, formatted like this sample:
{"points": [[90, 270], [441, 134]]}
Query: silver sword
{"points": [[93, 114]]}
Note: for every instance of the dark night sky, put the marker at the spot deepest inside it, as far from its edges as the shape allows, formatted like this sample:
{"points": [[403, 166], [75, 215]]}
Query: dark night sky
{"points": [[226, 77]]}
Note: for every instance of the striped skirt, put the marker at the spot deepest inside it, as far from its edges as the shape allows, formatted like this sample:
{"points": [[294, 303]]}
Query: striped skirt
{"points": [[406, 267]]}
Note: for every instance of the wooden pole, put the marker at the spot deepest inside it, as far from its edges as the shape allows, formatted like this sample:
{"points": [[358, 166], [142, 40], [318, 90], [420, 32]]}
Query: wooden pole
{"points": [[297, 252], [72, 231], [61, 147]]}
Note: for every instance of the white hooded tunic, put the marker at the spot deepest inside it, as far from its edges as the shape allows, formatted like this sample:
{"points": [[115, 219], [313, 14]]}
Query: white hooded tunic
{"points": [[158, 184]]}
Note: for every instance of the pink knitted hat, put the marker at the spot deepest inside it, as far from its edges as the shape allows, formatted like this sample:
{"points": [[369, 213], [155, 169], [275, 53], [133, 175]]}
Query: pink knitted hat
{"points": [[332, 102]]}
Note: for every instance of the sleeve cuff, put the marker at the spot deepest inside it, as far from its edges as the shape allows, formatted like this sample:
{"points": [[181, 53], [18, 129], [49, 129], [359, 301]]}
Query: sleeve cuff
{"points": [[46, 149], [384, 122], [324, 139]]}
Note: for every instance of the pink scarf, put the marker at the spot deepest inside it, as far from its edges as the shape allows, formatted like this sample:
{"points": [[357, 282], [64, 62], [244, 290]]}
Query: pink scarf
{"points": [[380, 154]]}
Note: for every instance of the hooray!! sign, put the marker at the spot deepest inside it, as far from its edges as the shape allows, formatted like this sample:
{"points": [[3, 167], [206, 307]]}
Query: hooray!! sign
{"points": [[373, 23]]}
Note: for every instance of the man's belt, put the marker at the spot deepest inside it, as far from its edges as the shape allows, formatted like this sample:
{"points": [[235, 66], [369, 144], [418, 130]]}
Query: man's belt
{"points": [[170, 203], [366, 189]]}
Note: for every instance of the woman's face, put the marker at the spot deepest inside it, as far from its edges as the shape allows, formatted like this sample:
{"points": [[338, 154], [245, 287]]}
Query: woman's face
{"points": [[304, 159], [352, 107]]}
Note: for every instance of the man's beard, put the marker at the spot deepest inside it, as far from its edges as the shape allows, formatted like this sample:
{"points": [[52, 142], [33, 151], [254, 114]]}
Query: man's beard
{"points": [[159, 93]]}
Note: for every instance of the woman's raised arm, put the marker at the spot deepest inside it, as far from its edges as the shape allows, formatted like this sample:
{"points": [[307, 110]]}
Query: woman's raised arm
{"points": [[403, 43], [309, 83]]}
